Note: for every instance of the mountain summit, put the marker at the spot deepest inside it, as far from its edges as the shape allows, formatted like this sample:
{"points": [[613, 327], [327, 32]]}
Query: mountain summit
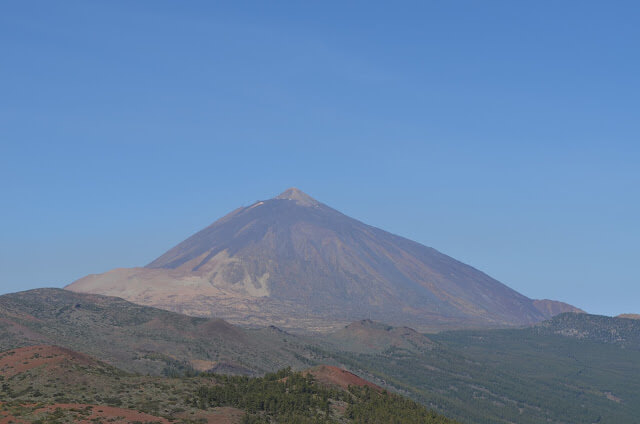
{"points": [[294, 262], [298, 196]]}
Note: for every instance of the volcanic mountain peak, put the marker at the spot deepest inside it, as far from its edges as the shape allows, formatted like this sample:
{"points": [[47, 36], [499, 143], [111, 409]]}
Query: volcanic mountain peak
{"points": [[297, 195], [297, 263]]}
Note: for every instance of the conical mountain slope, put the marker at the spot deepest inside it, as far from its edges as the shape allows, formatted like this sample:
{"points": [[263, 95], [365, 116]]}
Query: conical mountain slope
{"points": [[294, 262]]}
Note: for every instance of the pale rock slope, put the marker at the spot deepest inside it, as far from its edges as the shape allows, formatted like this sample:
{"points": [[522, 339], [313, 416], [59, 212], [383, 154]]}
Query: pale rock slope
{"points": [[296, 263]]}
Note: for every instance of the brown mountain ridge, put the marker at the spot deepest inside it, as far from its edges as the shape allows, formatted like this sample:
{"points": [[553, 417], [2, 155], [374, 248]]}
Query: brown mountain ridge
{"points": [[296, 263]]}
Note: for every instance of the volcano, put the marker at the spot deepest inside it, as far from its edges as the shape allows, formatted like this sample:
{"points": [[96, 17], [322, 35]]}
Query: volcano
{"points": [[294, 262]]}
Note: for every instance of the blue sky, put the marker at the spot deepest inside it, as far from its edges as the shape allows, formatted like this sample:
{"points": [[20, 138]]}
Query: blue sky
{"points": [[505, 134]]}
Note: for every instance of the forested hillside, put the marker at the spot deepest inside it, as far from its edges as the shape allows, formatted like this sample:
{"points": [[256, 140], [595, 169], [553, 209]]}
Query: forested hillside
{"points": [[621, 330], [143, 339], [47, 384], [576, 368], [529, 376]]}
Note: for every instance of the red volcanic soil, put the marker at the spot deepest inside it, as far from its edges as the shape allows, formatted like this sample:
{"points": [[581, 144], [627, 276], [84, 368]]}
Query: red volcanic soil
{"points": [[334, 376], [629, 316], [223, 415], [20, 360], [89, 414], [23, 359], [100, 412], [6, 418]]}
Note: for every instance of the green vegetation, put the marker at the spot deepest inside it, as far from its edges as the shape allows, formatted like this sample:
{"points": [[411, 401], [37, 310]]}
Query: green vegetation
{"points": [[526, 376], [574, 368], [294, 397], [72, 388], [373, 407], [284, 396], [143, 339], [623, 332]]}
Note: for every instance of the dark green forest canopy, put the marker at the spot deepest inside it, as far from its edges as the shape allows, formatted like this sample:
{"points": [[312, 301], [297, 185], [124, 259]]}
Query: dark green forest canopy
{"points": [[295, 397]]}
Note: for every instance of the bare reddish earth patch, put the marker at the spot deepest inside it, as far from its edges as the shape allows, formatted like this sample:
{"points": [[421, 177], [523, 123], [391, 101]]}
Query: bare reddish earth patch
{"points": [[223, 415], [6, 417], [629, 316], [20, 360], [89, 414], [334, 376], [10, 419], [23, 359], [100, 412]]}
